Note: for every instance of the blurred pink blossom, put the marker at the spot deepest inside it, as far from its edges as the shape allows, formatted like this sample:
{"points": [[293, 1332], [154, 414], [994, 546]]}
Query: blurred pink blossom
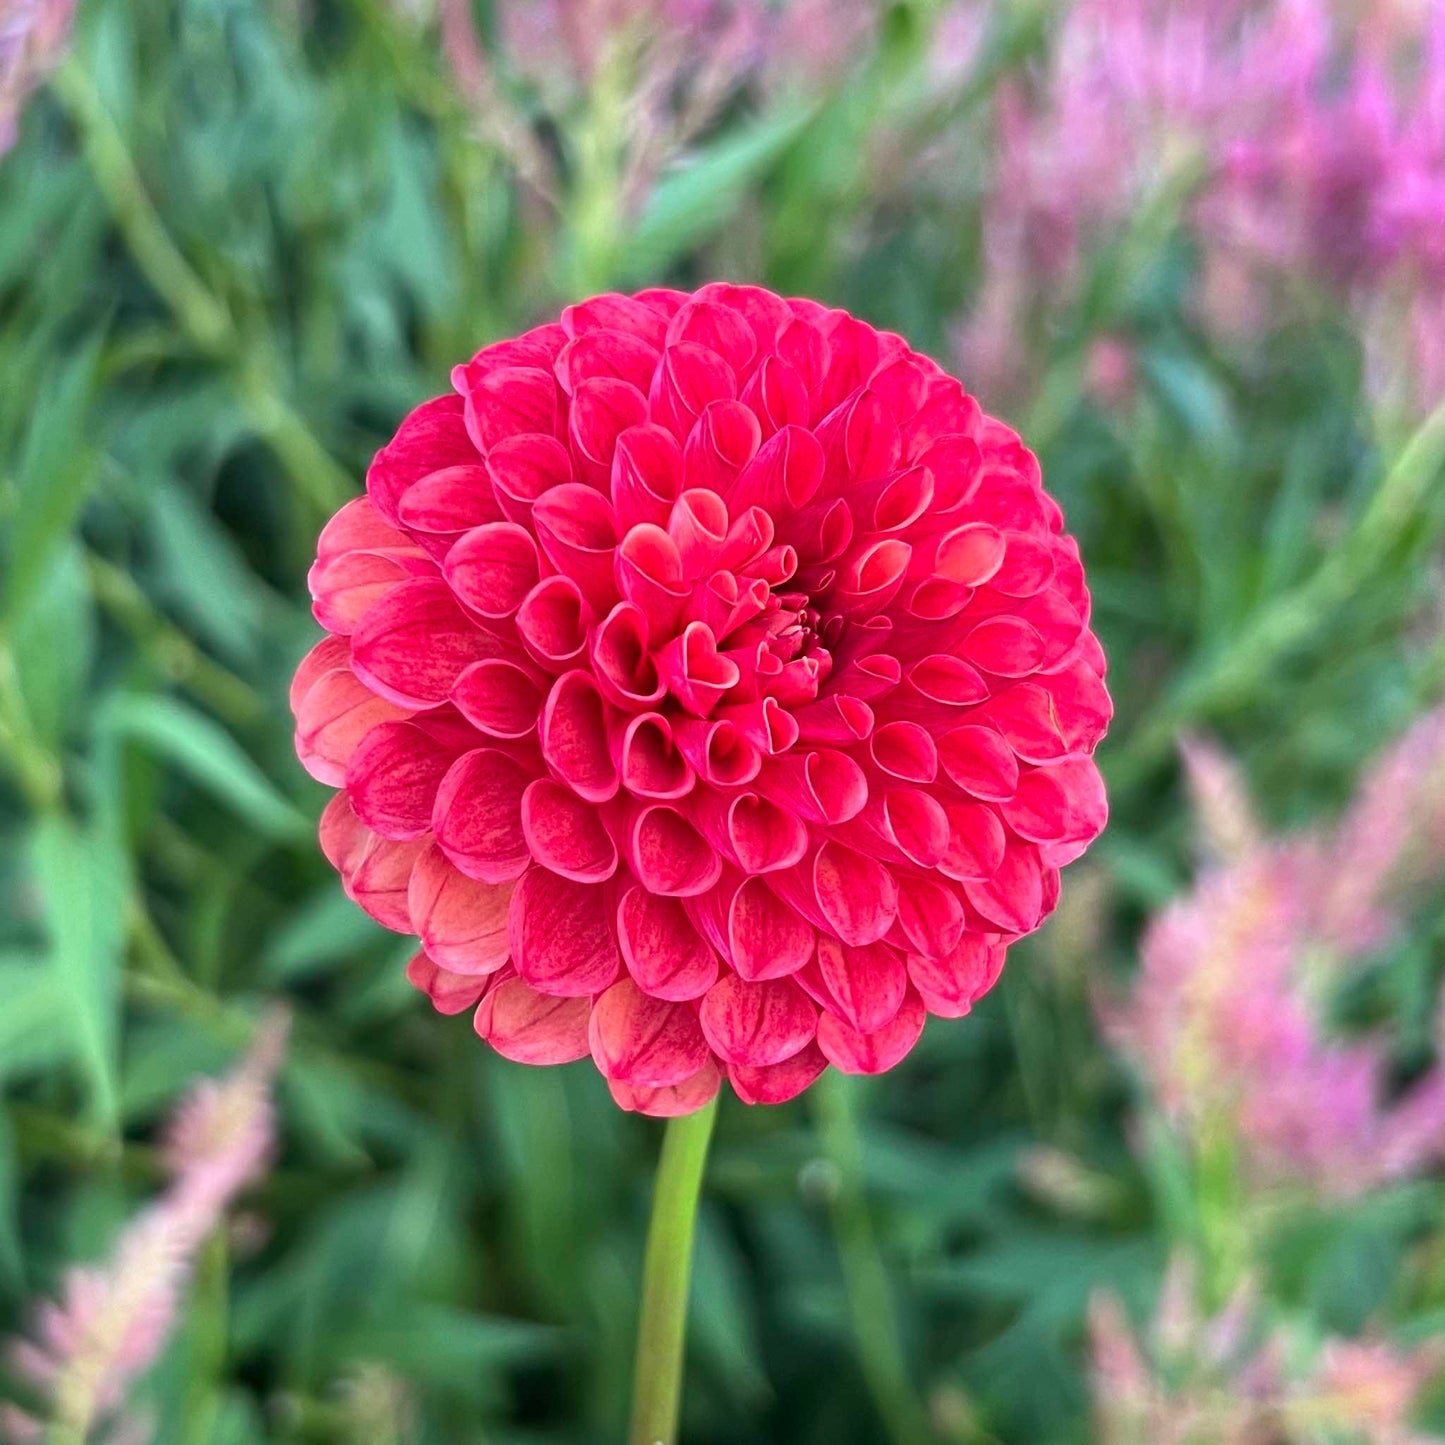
{"points": [[32, 35], [111, 1321], [1302, 143], [1227, 1379], [1228, 1020]]}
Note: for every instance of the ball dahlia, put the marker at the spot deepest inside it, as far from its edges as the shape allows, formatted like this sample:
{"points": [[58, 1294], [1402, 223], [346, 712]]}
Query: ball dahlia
{"points": [[709, 686]]}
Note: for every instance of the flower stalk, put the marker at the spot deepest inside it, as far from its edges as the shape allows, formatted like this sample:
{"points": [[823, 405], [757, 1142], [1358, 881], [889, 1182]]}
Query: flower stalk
{"points": [[666, 1272]]}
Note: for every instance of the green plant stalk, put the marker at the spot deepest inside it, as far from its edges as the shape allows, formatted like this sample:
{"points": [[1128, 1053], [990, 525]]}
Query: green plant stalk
{"points": [[666, 1271], [870, 1301], [1293, 618], [205, 320]]}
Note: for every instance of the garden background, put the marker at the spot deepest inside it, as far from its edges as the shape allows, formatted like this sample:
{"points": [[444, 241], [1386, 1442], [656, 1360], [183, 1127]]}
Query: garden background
{"points": [[1177, 1180]]}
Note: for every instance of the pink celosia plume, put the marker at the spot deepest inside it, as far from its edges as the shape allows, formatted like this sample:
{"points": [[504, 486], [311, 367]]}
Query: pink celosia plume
{"points": [[32, 34], [1229, 1017], [111, 1321], [1304, 144], [710, 688], [1230, 1379]]}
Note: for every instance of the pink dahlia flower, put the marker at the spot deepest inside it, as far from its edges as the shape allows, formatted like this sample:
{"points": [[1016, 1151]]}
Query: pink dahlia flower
{"points": [[710, 688]]}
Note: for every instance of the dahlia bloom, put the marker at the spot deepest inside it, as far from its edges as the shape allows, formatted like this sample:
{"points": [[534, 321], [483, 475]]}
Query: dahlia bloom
{"points": [[709, 687]]}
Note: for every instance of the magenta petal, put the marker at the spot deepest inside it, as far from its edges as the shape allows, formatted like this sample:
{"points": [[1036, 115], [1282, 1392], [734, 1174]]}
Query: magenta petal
{"points": [[499, 698], [976, 843], [762, 836], [948, 681], [359, 527], [668, 1103], [561, 935], [652, 766], [905, 751], [645, 1041], [865, 985], [695, 672], [492, 568], [649, 574], [663, 951], [412, 645], [767, 938], [603, 408], [523, 468], [612, 312], [723, 442], [918, 824], [784, 475], [393, 778], [824, 786], [688, 378], [718, 328], [333, 717], [432, 436], [646, 476], [553, 622], [504, 401], [1013, 898], [852, 1052], [343, 587], [477, 817], [566, 834], [533, 1028], [756, 1024], [777, 1083], [718, 752], [621, 661], [446, 503], [978, 760], [462, 923], [573, 735], [698, 526], [930, 914], [342, 835], [952, 983], [668, 855], [577, 530], [450, 993], [856, 894], [609, 353]]}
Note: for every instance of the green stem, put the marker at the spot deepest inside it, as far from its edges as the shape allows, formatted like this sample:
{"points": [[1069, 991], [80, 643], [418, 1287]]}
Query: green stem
{"points": [[870, 1299], [657, 1382], [1292, 619]]}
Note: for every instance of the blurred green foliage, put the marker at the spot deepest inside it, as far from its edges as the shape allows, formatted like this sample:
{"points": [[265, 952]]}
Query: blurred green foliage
{"points": [[237, 241]]}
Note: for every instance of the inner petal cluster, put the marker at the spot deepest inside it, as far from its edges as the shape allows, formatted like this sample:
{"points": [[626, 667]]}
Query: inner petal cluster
{"points": [[709, 686]]}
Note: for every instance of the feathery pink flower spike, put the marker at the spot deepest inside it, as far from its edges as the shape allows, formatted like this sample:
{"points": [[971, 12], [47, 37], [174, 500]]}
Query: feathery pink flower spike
{"points": [[111, 1321], [1227, 1019]]}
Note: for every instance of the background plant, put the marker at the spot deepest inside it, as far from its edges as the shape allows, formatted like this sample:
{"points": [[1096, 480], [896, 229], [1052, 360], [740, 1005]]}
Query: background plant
{"points": [[239, 239]]}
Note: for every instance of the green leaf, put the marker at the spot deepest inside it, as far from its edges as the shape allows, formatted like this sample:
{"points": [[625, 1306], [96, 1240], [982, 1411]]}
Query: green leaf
{"points": [[82, 877], [56, 474], [695, 203], [52, 679], [207, 754], [35, 1032]]}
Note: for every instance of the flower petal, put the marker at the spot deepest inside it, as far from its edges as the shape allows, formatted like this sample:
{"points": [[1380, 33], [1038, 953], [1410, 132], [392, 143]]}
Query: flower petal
{"points": [[645, 1041], [756, 1024], [561, 935]]}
